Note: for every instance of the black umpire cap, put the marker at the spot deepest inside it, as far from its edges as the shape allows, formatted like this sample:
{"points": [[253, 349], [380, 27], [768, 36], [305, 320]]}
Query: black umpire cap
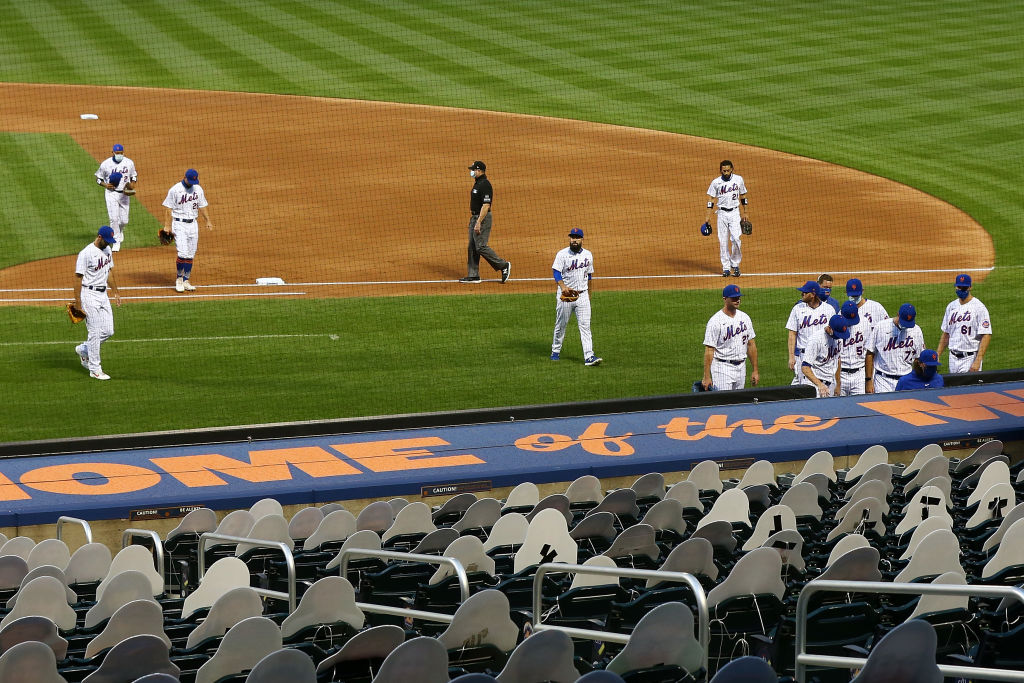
{"points": [[478, 166]]}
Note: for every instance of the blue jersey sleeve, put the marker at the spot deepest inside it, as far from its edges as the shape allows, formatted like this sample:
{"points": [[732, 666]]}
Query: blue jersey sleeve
{"points": [[557, 274]]}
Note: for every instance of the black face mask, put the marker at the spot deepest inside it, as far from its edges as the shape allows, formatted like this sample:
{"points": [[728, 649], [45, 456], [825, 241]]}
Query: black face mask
{"points": [[725, 178], [575, 248]]}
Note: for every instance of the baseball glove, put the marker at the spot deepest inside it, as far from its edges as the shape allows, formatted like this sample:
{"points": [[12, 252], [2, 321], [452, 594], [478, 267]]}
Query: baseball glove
{"points": [[76, 314], [570, 295], [705, 228], [746, 227], [166, 236]]}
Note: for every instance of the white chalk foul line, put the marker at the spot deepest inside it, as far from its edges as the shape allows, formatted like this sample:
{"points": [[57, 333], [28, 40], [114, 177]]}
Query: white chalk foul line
{"points": [[364, 283], [152, 296], [164, 340]]}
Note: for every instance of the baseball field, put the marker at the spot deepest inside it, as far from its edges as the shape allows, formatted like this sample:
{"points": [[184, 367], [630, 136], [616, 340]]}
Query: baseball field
{"points": [[877, 140]]}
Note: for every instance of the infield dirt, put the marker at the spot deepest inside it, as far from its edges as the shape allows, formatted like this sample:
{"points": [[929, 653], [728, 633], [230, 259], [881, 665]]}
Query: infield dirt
{"points": [[316, 190]]}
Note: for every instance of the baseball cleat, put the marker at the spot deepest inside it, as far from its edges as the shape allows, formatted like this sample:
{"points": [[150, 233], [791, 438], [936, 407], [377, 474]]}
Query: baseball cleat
{"points": [[593, 360], [99, 374], [83, 355], [725, 273], [505, 272], [554, 355], [179, 285], [470, 278], [736, 271], [189, 287]]}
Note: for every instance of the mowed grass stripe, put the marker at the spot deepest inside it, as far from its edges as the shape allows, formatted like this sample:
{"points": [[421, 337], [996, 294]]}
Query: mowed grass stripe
{"points": [[106, 38], [31, 31]]}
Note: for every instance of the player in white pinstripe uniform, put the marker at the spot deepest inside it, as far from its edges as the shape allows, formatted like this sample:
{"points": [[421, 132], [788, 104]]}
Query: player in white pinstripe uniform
{"points": [[966, 329], [572, 269], [184, 202], [868, 309], [891, 350], [117, 175], [728, 341], [851, 357], [809, 315], [729, 191], [820, 365], [93, 279]]}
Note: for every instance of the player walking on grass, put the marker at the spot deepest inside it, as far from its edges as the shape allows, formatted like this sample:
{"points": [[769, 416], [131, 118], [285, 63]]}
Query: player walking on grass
{"points": [[572, 270], [891, 351], [728, 342], [185, 200], [93, 279], [117, 176], [966, 329], [809, 315], [729, 191]]}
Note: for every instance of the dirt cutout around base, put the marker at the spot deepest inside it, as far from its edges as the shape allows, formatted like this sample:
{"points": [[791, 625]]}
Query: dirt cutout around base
{"points": [[374, 198]]}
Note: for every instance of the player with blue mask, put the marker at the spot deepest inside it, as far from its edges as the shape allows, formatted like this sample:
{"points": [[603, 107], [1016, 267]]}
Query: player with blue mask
{"points": [[966, 329]]}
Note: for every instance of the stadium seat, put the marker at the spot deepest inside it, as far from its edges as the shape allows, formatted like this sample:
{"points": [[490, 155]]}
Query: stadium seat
{"points": [[521, 499], [544, 656], [46, 570], [479, 518], [264, 507], [30, 661], [334, 528], [49, 551], [88, 565], [19, 545], [662, 647], [283, 665], [121, 589], [242, 647], [481, 635], [222, 576], [137, 656], [746, 670], [230, 608], [362, 655], [329, 603], [420, 659], [904, 655], [304, 522], [135, 558], [556, 501], [138, 617], [453, 509], [33, 628], [43, 597]]}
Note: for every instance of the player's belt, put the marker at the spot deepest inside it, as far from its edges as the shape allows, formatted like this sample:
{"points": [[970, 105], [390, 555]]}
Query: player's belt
{"points": [[798, 352], [722, 208], [852, 369], [886, 374], [185, 220], [95, 289], [961, 354], [731, 362]]}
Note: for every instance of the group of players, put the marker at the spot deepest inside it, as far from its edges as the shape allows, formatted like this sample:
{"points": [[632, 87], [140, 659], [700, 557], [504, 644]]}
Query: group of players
{"points": [[184, 202], [853, 348]]}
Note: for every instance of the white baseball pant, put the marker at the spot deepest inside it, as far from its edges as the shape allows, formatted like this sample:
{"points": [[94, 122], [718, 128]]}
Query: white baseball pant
{"points": [[830, 388], [960, 365], [725, 375], [117, 212], [99, 322], [852, 381], [186, 237], [884, 383], [564, 311], [729, 238], [798, 373]]}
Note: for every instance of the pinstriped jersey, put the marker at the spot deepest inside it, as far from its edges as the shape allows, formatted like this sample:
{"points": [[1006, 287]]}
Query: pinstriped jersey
{"points": [[94, 265], [574, 268]]}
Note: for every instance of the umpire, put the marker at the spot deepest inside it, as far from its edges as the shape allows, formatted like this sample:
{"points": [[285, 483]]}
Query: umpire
{"points": [[480, 227]]}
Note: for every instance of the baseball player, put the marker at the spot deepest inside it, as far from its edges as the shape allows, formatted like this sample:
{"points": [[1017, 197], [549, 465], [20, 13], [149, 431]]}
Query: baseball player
{"points": [[117, 175], [825, 282], [820, 365], [924, 375], [92, 280], [729, 192], [851, 356], [891, 350], [728, 342], [572, 270], [185, 201], [868, 309], [809, 315], [966, 329]]}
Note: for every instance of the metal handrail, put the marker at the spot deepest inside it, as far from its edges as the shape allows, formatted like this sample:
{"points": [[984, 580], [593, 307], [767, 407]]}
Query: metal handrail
{"points": [[703, 624], [803, 660], [289, 560], [460, 572], [73, 520], [158, 548]]}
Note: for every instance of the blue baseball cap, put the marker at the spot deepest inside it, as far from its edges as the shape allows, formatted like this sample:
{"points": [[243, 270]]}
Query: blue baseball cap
{"points": [[810, 286], [840, 327], [850, 312], [907, 316], [576, 232], [854, 287], [118, 148], [115, 179], [192, 175], [963, 280], [731, 292], [930, 358], [107, 233]]}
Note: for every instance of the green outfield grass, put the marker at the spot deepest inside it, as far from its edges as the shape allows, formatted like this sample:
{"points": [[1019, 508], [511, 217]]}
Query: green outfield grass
{"points": [[926, 93], [181, 366]]}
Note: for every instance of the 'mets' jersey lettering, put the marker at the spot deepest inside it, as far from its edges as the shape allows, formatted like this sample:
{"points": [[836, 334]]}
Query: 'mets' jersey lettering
{"points": [[574, 267], [94, 265], [185, 202], [965, 323], [727, 192], [805, 321], [728, 336]]}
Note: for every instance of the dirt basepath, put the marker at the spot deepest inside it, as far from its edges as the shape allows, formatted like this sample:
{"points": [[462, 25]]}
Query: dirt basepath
{"points": [[316, 190]]}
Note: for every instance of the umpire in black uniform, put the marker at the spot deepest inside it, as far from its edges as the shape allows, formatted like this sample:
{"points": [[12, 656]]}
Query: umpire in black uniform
{"points": [[480, 227]]}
